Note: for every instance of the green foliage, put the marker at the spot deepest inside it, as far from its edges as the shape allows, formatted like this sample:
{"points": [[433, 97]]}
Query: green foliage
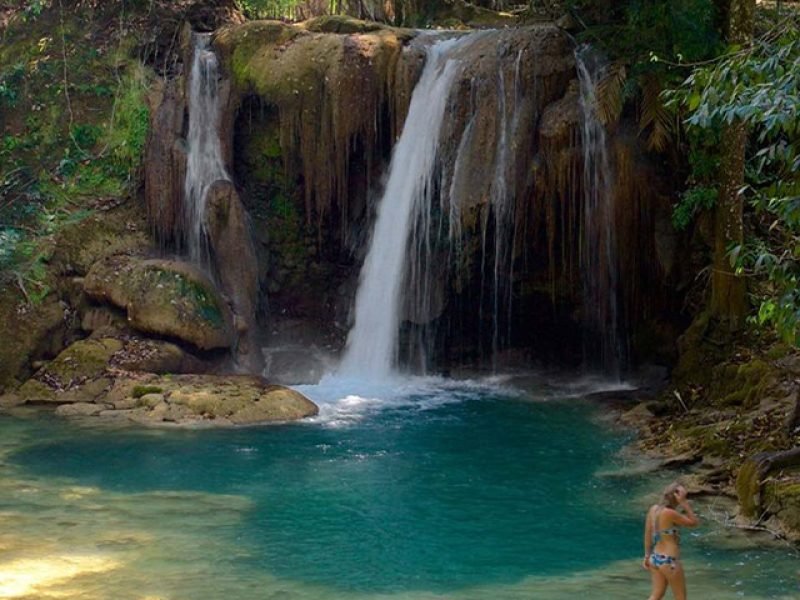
{"points": [[86, 136], [10, 82], [692, 201], [760, 87], [701, 192], [127, 135], [33, 9], [644, 33], [647, 42], [9, 240], [74, 130], [283, 208]]}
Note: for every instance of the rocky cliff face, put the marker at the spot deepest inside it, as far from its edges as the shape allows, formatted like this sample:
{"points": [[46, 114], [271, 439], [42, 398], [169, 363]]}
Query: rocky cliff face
{"points": [[310, 113], [311, 120]]}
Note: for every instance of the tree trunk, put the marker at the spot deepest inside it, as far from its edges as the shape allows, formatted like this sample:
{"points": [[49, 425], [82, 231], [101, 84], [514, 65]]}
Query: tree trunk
{"points": [[728, 302]]}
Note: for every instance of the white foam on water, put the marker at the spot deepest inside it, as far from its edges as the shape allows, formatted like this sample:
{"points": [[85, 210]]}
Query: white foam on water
{"points": [[345, 401]]}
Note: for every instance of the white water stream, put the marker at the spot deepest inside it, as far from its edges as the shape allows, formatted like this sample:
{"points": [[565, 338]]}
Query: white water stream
{"points": [[204, 164], [599, 256], [371, 349]]}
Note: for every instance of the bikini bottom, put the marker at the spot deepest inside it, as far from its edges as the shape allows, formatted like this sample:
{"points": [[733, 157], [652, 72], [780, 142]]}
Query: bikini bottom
{"points": [[658, 560]]}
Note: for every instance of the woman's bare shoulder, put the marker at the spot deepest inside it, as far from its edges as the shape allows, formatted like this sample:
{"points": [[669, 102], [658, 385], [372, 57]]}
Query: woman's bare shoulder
{"points": [[670, 513]]}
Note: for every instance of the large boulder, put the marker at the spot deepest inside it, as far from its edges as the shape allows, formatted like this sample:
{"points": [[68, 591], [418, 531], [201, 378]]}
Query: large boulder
{"points": [[86, 369], [29, 331], [214, 400], [164, 297], [77, 374], [82, 361], [89, 379]]}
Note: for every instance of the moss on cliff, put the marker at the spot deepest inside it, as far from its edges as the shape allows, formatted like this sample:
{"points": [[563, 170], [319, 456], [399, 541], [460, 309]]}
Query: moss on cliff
{"points": [[330, 91], [748, 488], [740, 385]]}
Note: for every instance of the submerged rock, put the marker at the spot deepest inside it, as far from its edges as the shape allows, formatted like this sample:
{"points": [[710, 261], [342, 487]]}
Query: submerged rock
{"points": [[164, 297], [80, 409]]}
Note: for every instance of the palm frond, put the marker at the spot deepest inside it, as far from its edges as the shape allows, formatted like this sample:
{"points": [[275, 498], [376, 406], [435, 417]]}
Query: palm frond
{"points": [[654, 118], [610, 93]]}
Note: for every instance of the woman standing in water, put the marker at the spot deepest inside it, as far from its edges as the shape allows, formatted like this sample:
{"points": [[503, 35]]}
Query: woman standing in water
{"points": [[661, 541]]}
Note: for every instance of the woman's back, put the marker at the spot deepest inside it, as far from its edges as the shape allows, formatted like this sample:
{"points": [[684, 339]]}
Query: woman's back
{"points": [[665, 534]]}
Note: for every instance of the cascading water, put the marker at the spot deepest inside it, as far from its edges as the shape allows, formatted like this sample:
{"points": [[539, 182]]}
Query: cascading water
{"points": [[204, 164], [436, 185], [599, 254], [372, 343], [502, 203]]}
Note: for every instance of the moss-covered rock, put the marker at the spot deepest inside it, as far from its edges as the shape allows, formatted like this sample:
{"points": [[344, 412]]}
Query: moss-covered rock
{"points": [[82, 243], [748, 488], [782, 496], [30, 332], [156, 356], [198, 399], [768, 484], [341, 24], [331, 93], [741, 385], [167, 298], [79, 409], [34, 391], [80, 362]]}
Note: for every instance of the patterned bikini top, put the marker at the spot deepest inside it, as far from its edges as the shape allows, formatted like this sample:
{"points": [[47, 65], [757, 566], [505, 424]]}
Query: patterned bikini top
{"points": [[657, 533]]}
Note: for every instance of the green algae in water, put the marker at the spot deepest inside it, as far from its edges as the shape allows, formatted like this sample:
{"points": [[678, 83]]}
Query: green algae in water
{"points": [[488, 496]]}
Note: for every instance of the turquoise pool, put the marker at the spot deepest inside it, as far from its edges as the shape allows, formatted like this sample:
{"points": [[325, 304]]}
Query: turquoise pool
{"points": [[415, 489]]}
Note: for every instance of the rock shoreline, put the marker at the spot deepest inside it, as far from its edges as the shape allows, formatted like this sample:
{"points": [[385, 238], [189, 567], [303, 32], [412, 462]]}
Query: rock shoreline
{"points": [[765, 486], [101, 378]]}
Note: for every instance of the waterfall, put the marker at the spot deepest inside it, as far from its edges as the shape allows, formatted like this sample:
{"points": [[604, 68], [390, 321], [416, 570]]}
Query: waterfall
{"points": [[502, 203], [204, 164], [371, 349], [598, 254]]}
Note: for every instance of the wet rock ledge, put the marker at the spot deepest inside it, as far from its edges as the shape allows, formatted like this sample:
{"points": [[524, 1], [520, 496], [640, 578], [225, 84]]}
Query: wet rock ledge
{"points": [[99, 378]]}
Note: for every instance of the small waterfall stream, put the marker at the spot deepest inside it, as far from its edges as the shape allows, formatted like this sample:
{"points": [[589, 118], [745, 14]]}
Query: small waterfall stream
{"points": [[372, 343], [204, 164], [599, 254], [502, 201]]}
